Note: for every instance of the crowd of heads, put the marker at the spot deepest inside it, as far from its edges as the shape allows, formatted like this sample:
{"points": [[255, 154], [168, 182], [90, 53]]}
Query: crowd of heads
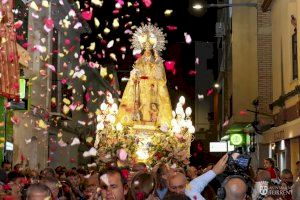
{"points": [[139, 182]]}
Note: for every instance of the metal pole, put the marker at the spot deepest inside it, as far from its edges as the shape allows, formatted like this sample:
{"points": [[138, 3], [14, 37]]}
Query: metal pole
{"points": [[223, 5]]}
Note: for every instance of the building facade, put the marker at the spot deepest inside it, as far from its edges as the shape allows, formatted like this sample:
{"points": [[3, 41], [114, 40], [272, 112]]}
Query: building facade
{"points": [[282, 141], [62, 92], [245, 73]]}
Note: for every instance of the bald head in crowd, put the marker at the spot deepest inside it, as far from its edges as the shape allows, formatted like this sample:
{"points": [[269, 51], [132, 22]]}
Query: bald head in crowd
{"points": [[53, 185], [236, 189], [177, 182], [38, 192], [263, 175]]}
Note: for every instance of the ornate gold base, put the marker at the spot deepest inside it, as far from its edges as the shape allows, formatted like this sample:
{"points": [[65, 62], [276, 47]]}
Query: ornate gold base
{"points": [[148, 126]]}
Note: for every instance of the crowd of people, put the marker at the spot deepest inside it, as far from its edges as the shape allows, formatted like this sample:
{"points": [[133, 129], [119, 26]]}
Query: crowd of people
{"points": [[138, 182]]}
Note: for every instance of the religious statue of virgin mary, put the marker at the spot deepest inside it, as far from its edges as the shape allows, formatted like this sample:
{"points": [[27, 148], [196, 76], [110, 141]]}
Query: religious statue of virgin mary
{"points": [[145, 101]]}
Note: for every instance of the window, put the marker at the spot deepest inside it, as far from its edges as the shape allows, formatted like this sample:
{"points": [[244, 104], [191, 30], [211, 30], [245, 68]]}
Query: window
{"points": [[294, 52]]}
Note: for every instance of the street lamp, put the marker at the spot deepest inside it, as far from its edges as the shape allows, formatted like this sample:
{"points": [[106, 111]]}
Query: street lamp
{"points": [[199, 7], [224, 5]]}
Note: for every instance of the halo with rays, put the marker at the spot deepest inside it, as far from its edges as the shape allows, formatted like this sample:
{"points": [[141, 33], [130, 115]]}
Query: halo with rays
{"points": [[150, 33]]}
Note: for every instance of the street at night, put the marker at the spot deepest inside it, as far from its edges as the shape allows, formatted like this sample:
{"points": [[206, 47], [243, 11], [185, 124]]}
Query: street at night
{"points": [[149, 100]]}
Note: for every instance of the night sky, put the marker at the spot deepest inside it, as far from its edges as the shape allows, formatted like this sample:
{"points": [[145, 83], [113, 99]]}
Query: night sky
{"points": [[199, 28]]}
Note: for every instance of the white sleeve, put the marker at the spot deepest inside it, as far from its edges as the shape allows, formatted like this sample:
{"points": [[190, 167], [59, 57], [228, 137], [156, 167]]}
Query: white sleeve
{"points": [[196, 186]]}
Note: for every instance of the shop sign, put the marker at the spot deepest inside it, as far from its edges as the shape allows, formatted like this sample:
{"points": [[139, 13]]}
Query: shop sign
{"points": [[237, 139]]}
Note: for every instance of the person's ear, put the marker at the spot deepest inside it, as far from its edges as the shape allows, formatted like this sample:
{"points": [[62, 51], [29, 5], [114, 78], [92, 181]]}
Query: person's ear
{"points": [[125, 189]]}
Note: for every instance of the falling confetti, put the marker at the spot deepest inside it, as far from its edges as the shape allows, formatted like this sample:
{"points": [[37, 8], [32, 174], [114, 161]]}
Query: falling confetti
{"points": [[97, 2], [49, 24], [147, 3], [92, 46], [171, 28], [92, 165], [106, 30], [116, 23], [96, 22], [200, 96], [122, 155], [113, 56], [210, 91], [75, 141], [61, 143], [34, 6], [18, 24], [168, 12], [110, 44], [91, 152], [50, 67], [66, 109], [87, 15], [27, 141], [170, 66], [42, 124], [77, 25], [192, 72], [188, 38], [89, 139], [45, 4], [225, 123], [243, 113], [103, 72], [15, 120]]}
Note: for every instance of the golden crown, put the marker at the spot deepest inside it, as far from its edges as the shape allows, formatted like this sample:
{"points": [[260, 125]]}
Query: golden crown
{"points": [[148, 34]]}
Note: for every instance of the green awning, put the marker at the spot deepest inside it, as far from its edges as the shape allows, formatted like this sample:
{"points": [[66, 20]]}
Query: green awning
{"points": [[236, 128]]}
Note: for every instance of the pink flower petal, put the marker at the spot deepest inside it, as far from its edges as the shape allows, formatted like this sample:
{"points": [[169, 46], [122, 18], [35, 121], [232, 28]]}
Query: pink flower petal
{"points": [[188, 38], [170, 65], [15, 120], [192, 72], [49, 23], [147, 3], [87, 15], [210, 91], [67, 41], [50, 67], [171, 28], [87, 97], [63, 81], [116, 11], [243, 113], [122, 155], [18, 24]]}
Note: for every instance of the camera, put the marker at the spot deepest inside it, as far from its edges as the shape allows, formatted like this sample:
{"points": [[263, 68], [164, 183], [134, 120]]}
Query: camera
{"points": [[237, 163]]}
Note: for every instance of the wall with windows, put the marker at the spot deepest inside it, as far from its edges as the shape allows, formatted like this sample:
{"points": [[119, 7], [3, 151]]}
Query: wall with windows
{"points": [[285, 74]]}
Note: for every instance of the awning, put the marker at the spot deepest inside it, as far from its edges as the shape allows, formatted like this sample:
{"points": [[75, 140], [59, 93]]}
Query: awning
{"points": [[237, 128]]}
